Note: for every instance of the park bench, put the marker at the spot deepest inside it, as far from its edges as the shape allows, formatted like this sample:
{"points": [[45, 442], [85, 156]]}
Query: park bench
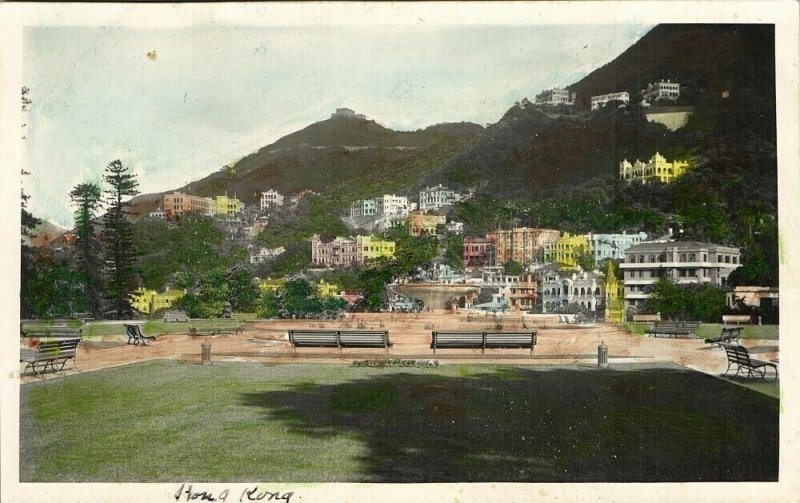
{"points": [[728, 335], [227, 325], [175, 316], [646, 318], [340, 338], [736, 318], [213, 326], [51, 328], [673, 328], [50, 353], [134, 333], [483, 340], [740, 356], [245, 317]]}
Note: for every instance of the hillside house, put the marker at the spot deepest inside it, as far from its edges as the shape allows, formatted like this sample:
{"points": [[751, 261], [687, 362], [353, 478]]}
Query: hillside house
{"points": [[683, 262], [583, 288], [433, 198], [271, 198], [555, 96], [661, 91], [657, 168], [521, 244], [603, 99], [613, 246]]}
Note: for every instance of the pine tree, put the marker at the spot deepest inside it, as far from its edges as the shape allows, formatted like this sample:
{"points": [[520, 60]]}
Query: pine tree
{"points": [[120, 256], [27, 224], [86, 196]]}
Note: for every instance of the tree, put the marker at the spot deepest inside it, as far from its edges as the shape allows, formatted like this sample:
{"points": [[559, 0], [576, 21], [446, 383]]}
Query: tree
{"points": [[513, 268], [120, 255], [686, 302], [242, 289], [86, 196]]}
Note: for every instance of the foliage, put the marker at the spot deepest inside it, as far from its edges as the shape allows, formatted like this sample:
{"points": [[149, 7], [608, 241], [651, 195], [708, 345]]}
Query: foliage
{"points": [[120, 254], [694, 302], [210, 299], [53, 290], [453, 250], [270, 306], [86, 196], [295, 259], [297, 298], [182, 250], [513, 268], [242, 289]]}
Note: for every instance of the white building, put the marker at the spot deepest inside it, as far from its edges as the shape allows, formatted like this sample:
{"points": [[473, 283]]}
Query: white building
{"points": [[271, 198], [560, 289], [600, 101], [683, 262], [555, 96], [455, 227], [265, 254], [661, 90], [346, 113], [385, 205], [613, 246], [433, 198]]}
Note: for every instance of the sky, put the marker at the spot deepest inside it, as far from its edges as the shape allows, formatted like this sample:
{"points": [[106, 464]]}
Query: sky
{"points": [[210, 94]]}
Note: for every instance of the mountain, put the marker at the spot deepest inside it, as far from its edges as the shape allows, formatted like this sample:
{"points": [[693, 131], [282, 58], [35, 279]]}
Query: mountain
{"points": [[726, 72], [343, 158]]}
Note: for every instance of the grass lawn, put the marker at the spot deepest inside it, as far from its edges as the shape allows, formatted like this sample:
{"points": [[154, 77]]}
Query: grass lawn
{"points": [[168, 421]]}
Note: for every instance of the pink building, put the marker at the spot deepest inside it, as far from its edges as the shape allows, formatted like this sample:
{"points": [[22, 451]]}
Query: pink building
{"points": [[478, 252], [339, 252]]}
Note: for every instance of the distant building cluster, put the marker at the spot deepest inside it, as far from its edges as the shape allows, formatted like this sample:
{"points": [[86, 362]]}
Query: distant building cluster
{"points": [[349, 251], [178, 204], [657, 168], [603, 99], [265, 254], [555, 96], [346, 113]]}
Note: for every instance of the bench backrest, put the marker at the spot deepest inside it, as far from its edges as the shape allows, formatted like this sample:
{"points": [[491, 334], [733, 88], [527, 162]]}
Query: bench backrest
{"points": [[64, 348], [737, 354], [365, 338], [646, 317], [227, 323], [53, 332], [314, 337], [460, 337], [736, 318], [511, 338]]}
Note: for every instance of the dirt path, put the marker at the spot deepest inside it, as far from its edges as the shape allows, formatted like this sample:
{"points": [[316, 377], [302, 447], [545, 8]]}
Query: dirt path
{"points": [[267, 341]]}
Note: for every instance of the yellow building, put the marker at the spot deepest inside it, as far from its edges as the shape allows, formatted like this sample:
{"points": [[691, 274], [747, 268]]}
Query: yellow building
{"points": [[566, 250], [325, 289], [615, 297], [657, 168], [150, 301], [224, 205], [371, 247], [270, 285]]}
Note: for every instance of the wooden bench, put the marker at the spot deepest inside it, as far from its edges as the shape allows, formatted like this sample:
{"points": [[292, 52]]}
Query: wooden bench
{"points": [[134, 333], [50, 353], [646, 318], [201, 326], [483, 340], [214, 326], [245, 317], [728, 335], [673, 328], [227, 325], [175, 316], [58, 329], [340, 339], [736, 318], [740, 356]]}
